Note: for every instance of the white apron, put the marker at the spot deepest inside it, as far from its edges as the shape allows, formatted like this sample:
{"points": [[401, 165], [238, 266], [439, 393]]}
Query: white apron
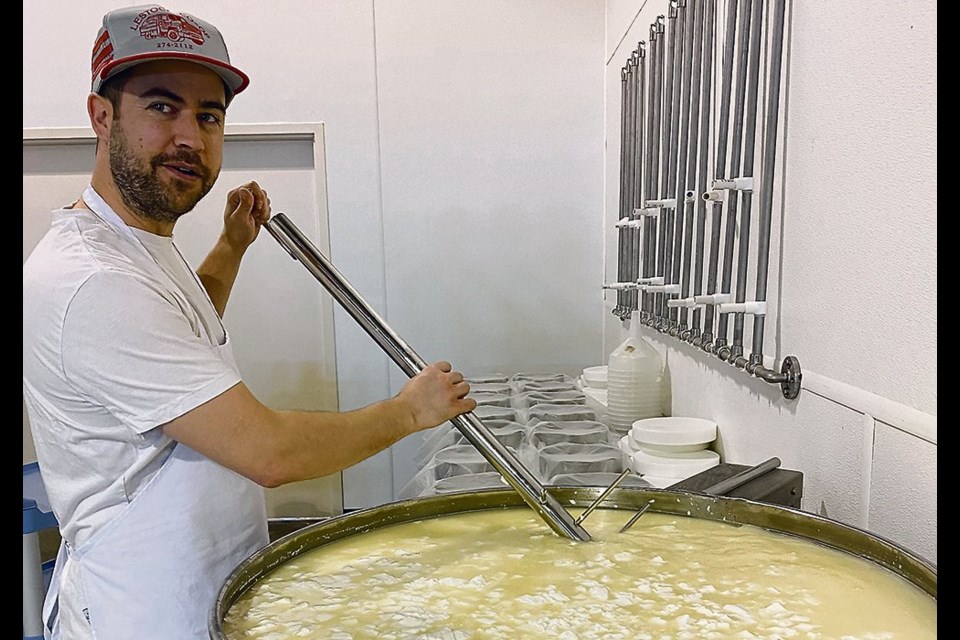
{"points": [[205, 517]]}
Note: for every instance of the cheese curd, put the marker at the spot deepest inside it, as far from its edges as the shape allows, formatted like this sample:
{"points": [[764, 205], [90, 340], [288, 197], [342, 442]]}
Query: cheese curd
{"points": [[500, 574]]}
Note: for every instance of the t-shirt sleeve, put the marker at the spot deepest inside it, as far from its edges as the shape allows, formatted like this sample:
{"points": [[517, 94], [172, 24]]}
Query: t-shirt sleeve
{"points": [[128, 346]]}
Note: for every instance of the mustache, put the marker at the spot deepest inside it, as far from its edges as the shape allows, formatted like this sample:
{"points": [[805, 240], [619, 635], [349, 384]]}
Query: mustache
{"points": [[187, 157]]}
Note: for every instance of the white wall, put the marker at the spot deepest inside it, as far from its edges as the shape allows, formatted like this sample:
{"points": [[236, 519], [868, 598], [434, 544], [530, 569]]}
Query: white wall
{"points": [[465, 165], [465, 153], [853, 284]]}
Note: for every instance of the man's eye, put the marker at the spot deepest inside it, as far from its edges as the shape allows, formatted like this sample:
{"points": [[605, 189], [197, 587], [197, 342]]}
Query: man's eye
{"points": [[210, 118], [160, 107]]}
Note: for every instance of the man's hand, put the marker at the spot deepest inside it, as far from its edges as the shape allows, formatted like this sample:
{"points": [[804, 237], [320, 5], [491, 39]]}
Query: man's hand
{"points": [[247, 209], [435, 395]]}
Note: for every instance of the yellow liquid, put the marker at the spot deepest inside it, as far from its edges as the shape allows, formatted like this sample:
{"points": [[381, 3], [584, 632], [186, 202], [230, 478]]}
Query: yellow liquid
{"points": [[502, 574]]}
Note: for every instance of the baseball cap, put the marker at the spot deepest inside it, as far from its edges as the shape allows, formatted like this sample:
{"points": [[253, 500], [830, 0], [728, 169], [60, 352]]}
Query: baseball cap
{"points": [[132, 35]]}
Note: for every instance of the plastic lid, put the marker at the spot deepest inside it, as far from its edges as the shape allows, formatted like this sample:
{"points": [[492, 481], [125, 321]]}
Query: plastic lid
{"points": [[673, 430], [596, 377], [673, 465]]}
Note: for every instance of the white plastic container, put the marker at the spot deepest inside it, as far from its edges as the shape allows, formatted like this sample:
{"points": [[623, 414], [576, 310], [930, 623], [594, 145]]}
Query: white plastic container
{"points": [[633, 384], [673, 434], [673, 465]]}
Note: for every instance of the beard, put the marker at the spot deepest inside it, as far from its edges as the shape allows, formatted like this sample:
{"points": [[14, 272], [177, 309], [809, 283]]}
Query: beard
{"points": [[141, 189]]}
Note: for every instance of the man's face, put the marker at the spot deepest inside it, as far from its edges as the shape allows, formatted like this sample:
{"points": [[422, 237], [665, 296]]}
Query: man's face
{"points": [[166, 141]]}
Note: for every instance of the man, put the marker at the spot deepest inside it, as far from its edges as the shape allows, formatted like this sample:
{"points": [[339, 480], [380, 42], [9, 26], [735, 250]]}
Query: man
{"points": [[153, 451]]}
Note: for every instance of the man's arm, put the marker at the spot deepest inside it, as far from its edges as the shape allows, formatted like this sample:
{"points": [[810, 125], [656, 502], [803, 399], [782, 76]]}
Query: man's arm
{"points": [[247, 208], [273, 448]]}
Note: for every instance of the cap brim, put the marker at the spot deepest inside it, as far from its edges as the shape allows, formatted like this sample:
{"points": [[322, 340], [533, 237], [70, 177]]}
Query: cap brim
{"points": [[235, 80]]}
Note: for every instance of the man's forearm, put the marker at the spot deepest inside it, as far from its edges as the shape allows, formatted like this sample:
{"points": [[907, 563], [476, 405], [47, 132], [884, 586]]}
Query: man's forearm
{"points": [[218, 272]]}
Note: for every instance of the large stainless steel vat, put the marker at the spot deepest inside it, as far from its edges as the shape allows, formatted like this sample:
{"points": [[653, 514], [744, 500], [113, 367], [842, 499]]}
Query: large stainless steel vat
{"points": [[818, 529]]}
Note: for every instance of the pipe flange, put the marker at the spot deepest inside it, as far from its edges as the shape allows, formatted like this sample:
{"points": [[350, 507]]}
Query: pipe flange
{"points": [[791, 369]]}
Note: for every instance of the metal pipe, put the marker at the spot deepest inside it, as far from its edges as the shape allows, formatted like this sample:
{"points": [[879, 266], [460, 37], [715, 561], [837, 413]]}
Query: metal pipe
{"points": [[743, 20], [662, 119], [769, 161], [701, 204], [721, 158], [534, 494], [629, 258], [618, 310], [725, 486], [686, 70], [689, 186], [635, 235], [671, 168], [626, 147], [746, 197], [651, 151]]}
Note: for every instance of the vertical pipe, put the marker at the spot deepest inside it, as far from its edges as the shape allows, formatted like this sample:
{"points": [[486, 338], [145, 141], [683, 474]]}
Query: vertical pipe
{"points": [[634, 183], [624, 180], [663, 102], [744, 21], [629, 247], [723, 124], [651, 152], [769, 161], [628, 157], [705, 111], [689, 186], [635, 234], [679, 190], [746, 197], [667, 93]]}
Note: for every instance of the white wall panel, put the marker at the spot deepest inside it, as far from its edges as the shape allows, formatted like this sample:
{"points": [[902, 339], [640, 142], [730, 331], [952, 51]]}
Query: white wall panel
{"points": [[492, 182], [852, 289], [903, 500]]}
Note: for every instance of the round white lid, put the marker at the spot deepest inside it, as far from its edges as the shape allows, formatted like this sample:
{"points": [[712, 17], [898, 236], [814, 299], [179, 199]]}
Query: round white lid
{"points": [[674, 465], [673, 430]]}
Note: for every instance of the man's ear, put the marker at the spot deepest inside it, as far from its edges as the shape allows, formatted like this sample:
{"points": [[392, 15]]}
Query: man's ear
{"points": [[100, 111]]}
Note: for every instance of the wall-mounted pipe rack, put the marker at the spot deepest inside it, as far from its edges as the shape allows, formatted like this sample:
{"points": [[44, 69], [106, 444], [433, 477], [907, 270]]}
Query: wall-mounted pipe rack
{"points": [[684, 228]]}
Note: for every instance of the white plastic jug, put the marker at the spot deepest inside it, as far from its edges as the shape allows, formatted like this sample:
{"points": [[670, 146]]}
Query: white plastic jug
{"points": [[633, 384]]}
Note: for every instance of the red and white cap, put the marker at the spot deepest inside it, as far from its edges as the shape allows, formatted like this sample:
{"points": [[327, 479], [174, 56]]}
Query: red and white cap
{"points": [[132, 35]]}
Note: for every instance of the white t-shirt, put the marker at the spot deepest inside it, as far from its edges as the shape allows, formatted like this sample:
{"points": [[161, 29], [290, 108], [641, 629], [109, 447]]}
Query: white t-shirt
{"points": [[118, 338]]}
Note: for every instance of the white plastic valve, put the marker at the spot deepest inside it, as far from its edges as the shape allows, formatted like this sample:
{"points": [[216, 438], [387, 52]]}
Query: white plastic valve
{"points": [[666, 203], [713, 298], [644, 282], [753, 308], [713, 196], [664, 288], [650, 212], [620, 285], [737, 184], [682, 302], [689, 197], [627, 222]]}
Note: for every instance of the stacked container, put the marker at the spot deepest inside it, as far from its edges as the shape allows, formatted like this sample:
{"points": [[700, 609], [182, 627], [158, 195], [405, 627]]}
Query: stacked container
{"points": [[633, 384], [666, 450]]}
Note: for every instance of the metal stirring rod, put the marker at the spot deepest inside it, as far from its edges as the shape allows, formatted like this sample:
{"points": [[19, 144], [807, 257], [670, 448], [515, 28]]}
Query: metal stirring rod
{"points": [[516, 475], [719, 488], [606, 492]]}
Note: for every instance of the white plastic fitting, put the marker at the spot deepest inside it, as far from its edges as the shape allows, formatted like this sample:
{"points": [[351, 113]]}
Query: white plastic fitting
{"points": [[713, 298], [663, 288], [737, 184], [650, 212], [682, 302], [753, 308], [620, 285], [643, 282], [689, 197], [713, 196], [666, 203], [627, 222]]}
